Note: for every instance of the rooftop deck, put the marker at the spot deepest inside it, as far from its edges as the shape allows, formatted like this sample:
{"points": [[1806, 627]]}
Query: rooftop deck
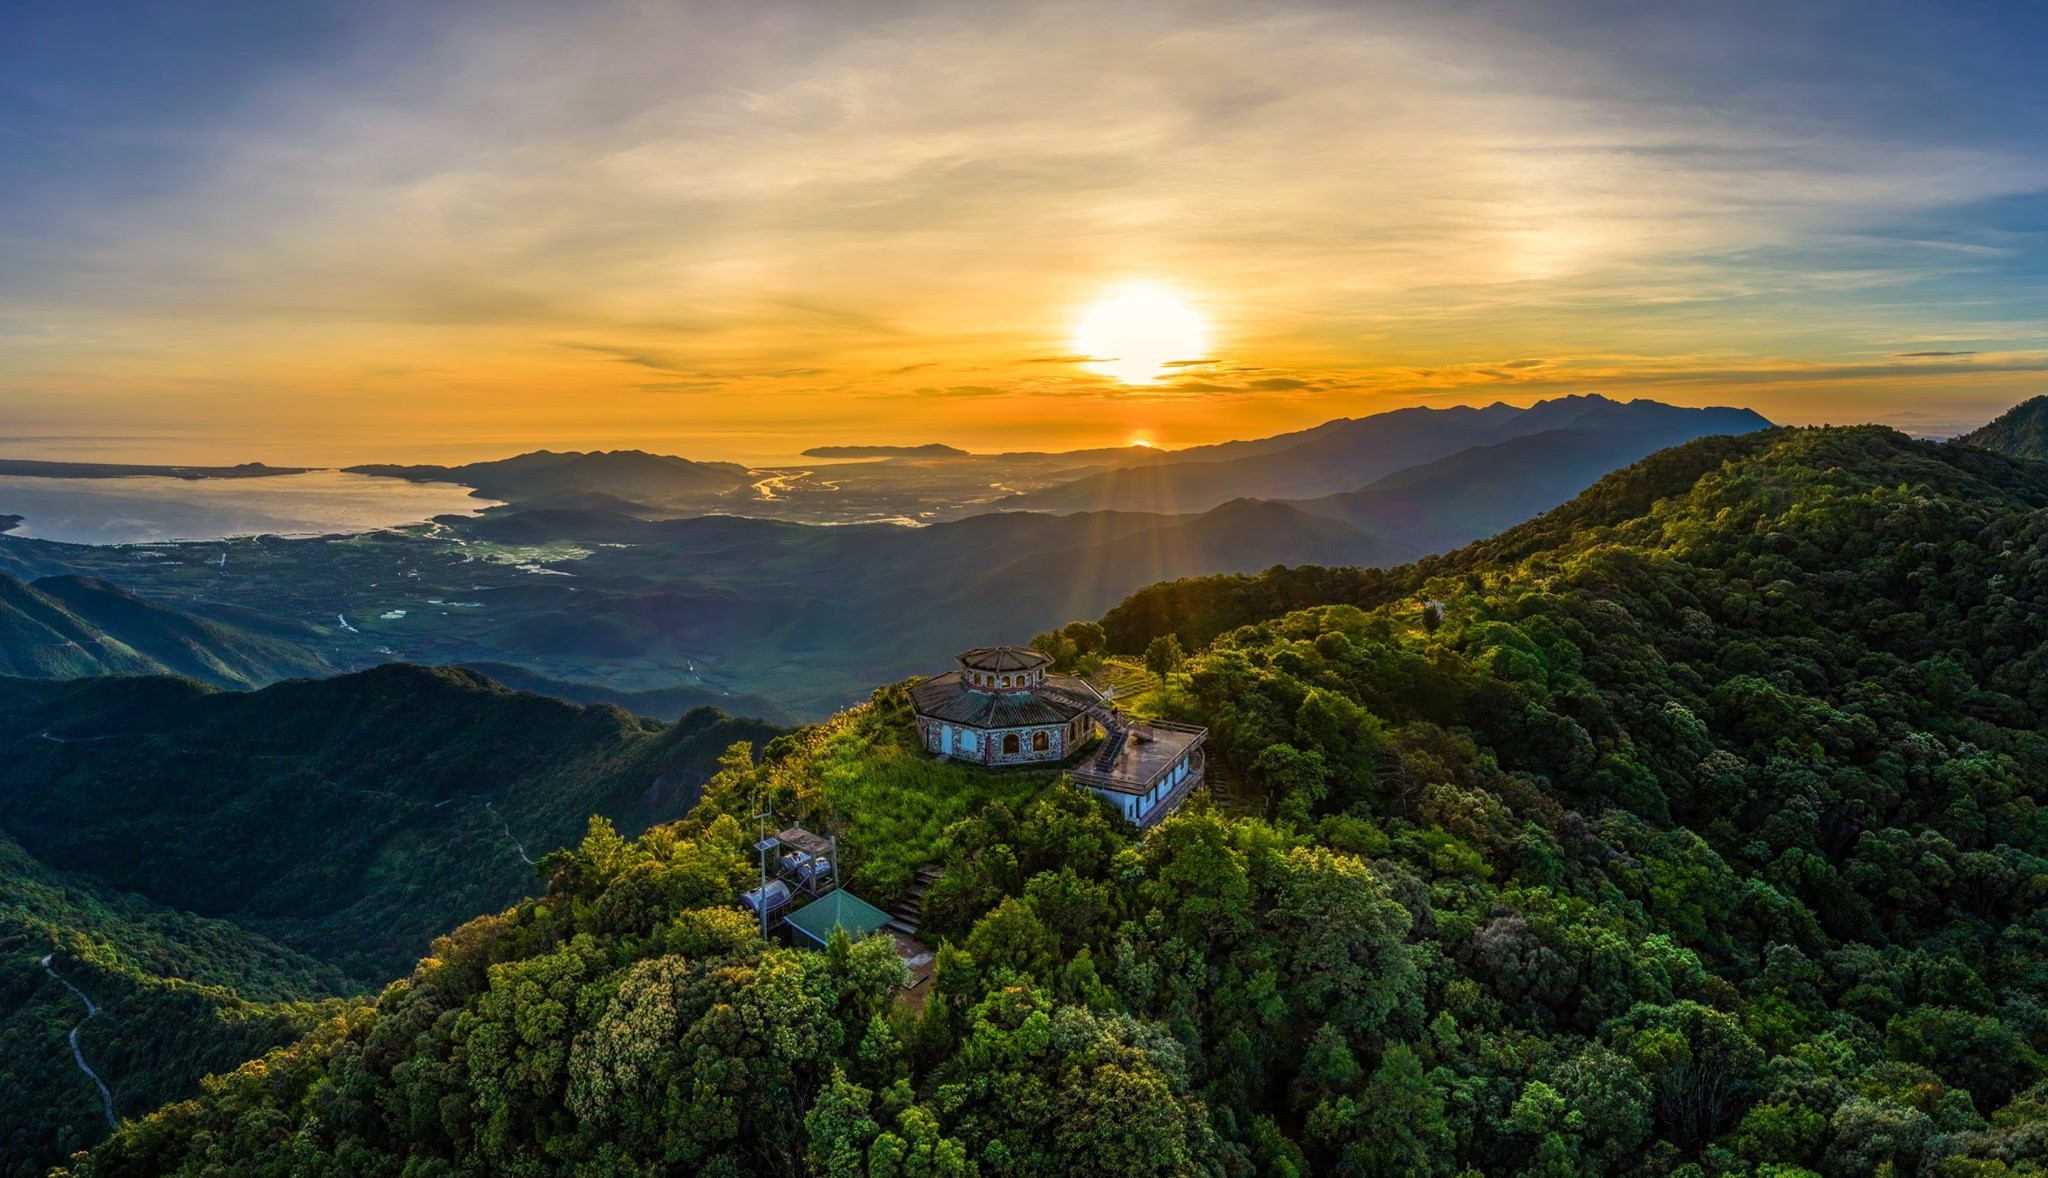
{"points": [[1149, 750]]}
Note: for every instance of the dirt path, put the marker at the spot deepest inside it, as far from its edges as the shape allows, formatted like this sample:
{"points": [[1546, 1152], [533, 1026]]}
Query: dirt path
{"points": [[77, 1056]]}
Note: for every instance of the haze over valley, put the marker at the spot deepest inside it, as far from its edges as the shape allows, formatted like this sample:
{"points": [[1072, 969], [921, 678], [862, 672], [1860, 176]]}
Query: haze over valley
{"points": [[656, 581]]}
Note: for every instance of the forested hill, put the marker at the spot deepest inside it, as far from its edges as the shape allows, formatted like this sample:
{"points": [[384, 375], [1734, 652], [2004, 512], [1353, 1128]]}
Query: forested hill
{"points": [[353, 818], [1695, 833], [2021, 431], [66, 626], [214, 868], [177, 997]]}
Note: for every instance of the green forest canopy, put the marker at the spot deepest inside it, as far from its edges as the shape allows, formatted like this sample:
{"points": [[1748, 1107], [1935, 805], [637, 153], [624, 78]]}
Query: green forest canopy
{"points": [[1699, 838]]}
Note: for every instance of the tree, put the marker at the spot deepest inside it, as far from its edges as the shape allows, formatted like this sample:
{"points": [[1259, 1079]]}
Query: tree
{"points": [[1699, 1063], [1395, 1128], [1088, 637], [1296, 782], [1164, 656], [1055, 645]]}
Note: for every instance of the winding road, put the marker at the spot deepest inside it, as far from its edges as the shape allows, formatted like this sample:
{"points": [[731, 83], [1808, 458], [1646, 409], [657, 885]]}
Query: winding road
{"points": [[77, 1056], [517, 845]]}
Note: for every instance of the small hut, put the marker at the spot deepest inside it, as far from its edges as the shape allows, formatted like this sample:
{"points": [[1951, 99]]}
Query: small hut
{"points": [[814, 922]]}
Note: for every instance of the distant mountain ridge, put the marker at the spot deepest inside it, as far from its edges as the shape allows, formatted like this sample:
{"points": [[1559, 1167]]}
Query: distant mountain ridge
{"points": [[928, 450], [1482, 490], [38, 468], [574, 588], [632, 475], [1344, 456]]}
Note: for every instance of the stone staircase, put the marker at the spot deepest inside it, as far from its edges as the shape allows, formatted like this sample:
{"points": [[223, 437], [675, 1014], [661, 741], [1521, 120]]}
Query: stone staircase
{"points": [[1118, 731], [909, 913]]}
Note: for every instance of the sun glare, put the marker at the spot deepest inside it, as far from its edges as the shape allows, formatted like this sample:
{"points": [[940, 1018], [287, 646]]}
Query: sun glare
{"points": [[1134, 334]]}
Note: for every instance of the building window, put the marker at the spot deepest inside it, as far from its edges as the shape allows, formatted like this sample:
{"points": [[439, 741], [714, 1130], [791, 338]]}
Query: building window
{"points": [[1010, 744], [1041, 742]]}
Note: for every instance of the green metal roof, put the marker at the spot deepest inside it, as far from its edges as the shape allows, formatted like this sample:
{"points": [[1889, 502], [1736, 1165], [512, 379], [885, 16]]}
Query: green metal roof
{"points": [[837, 909]]}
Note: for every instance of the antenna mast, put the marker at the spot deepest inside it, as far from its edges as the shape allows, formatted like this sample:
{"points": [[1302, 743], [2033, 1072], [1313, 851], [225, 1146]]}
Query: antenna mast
{"points": [[761, 849]]}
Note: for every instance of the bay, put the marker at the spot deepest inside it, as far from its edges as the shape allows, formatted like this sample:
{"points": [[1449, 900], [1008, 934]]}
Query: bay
{"points": [[154, 509]]}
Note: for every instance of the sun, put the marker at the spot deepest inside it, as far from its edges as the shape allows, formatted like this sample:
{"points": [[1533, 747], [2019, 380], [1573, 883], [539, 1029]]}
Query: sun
{"points": [[1136, 332]]}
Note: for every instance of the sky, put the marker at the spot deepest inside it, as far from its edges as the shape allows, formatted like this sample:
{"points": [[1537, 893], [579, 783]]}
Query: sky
{"points": [[314, 232]]}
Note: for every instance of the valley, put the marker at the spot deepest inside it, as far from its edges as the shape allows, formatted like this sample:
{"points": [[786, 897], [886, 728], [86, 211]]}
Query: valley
{"points": [[578, 590], [1687, 768]]}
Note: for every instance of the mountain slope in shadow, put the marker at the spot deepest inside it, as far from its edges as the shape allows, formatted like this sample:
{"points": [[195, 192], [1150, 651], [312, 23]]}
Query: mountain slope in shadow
{"points": [[70, 626], [1483, 490], [1346, 456]]}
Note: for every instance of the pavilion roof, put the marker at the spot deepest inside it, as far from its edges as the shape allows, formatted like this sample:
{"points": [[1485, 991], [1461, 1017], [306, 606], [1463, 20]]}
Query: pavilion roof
{"points": [[1003, 658], [951, 698]]}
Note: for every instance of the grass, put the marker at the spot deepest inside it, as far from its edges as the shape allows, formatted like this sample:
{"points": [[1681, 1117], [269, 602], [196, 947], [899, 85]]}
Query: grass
{"points": [[1141, 694], [864, 777]]}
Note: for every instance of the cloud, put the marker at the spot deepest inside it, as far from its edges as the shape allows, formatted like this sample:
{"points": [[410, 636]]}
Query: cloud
{"points": [[683, 386], [962, 390], [1369, 196], [640, 357]]}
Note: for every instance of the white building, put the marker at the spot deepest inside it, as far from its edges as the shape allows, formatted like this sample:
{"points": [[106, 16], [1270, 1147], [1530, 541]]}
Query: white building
{"points": [[1004, 706]]}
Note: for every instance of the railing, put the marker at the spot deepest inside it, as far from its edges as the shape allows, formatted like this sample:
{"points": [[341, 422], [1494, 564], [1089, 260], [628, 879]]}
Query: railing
{"points": [[1097, 774], [1179, 793]]}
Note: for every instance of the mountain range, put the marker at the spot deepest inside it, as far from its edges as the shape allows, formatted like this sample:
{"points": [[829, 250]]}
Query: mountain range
{"points": [[1350, 454], [1695, 827], [584, 596]]}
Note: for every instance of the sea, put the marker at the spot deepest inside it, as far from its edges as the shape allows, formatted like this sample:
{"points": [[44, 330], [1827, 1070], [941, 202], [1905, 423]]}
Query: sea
{"points": [[146, 509]]}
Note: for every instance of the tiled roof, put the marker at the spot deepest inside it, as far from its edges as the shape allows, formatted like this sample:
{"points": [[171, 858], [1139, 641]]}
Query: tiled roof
{"points": [[949, 697], [1003, 658]]}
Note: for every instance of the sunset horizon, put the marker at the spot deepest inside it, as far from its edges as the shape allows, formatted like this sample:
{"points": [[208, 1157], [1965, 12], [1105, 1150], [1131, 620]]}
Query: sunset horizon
{"points": [[332, 233]]}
